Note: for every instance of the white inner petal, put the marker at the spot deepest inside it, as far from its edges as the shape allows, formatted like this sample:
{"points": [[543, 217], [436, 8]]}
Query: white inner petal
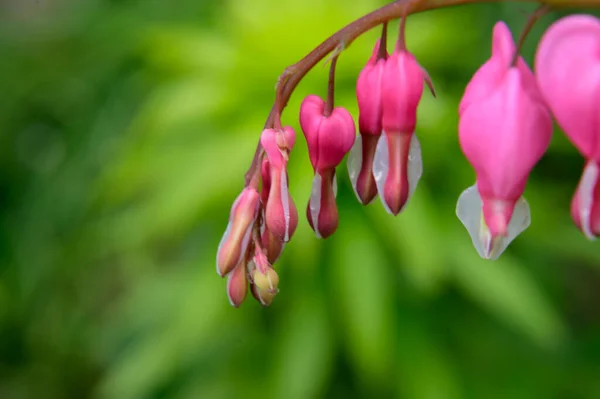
{"points": [[354, 163], [469, 212], [415, 165], [586, 198], [315, 203], [223, 239], [285, 203], [381, 165], [334, 184]]}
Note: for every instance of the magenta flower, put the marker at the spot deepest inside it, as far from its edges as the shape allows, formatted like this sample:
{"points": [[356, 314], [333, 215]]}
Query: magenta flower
{"points": [[397, 165], [368, 95], [234, 243], [567, 67], [388, 153], [504, 130], [281, 216], [329, 135]]}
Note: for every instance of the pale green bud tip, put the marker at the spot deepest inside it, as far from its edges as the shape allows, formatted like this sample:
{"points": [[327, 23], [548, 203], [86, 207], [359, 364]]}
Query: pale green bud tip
{"points": [[265, 285]]}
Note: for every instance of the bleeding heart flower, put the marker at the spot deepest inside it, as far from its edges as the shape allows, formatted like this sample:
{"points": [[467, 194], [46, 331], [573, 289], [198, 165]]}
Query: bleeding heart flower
{"points": [[504, 130], [368, 95], [397, 165], [329, 135], [567, 67]]}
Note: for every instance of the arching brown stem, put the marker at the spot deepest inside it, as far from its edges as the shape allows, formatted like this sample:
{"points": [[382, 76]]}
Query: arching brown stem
{"points": [[540, 12]]}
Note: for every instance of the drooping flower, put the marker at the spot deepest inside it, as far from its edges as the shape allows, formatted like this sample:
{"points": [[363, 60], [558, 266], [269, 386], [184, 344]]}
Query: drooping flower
{"points": [[235, 241], [281, 216], [504, 130], [567, 66], [397, 165], [368, 95], [329, 137]]}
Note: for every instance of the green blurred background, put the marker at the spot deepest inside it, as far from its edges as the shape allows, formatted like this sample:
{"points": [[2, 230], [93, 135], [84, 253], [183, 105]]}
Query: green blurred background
{"points": [[125, 130]]}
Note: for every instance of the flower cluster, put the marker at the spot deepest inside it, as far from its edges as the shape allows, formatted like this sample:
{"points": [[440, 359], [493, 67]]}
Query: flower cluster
{"points": [[505, 127]]}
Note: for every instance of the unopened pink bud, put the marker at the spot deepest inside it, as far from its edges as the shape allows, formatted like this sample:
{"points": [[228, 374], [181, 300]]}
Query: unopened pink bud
{"points": [[277, 144], [322, 210], [329, 137], [504, 130], [585, 206], [362, 155], [273, 245], [237, 284], [234, 243], [281, 216]]}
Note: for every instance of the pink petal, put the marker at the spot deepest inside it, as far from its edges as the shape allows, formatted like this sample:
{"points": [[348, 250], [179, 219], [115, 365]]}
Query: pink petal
{"points": [[503, 136], [567, 67], [403, 81]]}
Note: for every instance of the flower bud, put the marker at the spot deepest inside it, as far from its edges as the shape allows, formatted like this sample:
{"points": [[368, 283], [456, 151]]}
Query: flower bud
{"points": [[504, 130], [273, 246], [237, 284], [264, 285], [368, 95], [264, 280], [281, 216], [234, 243], [397, 164]]}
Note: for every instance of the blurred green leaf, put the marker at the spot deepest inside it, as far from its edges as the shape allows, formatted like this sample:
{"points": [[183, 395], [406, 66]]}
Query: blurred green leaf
{"points": [[364, 299], [303, 355], [507, 290], [425, 371]]}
